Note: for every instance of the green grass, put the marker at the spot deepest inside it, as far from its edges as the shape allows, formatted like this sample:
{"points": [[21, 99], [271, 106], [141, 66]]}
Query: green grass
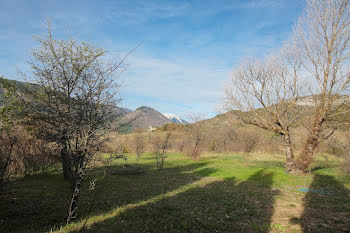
{"points": [[220, 193]]}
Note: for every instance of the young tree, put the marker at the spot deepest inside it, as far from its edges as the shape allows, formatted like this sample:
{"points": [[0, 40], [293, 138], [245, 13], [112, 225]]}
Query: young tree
{"points": [[195, 131], [322, 36], [160, 147], [138, 144], [264, 93], [74, 102]]}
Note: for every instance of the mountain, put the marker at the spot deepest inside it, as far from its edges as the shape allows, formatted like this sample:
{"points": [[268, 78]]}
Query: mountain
{"points": [[20, 86], [122, 111], [144, 118], [174, 118]]}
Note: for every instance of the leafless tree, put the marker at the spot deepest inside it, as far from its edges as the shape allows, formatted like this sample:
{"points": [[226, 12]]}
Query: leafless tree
{"points": [[322, 35], [75, 101], [138, 144], [160, 147], [196, 133], [264, 93]]}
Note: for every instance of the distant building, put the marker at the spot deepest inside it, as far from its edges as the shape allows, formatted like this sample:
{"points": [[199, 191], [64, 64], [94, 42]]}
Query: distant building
{"points": [[151, 128]]}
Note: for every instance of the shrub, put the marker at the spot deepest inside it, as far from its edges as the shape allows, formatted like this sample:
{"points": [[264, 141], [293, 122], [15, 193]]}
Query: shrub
{"points": [[346, 164]]}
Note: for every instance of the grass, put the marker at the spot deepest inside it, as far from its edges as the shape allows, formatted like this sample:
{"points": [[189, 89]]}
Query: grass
{"points": [[220, 193]]}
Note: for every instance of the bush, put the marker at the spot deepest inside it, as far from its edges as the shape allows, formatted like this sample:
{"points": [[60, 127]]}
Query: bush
{"points": [[335, 147], [248, 141], [213, 146], [23, 154]]}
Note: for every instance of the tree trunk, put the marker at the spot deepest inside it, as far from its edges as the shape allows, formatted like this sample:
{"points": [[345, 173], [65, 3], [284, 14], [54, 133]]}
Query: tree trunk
{"points": [[72, 213], [290, 162], [3, 168], [66, 163], [306, 156]]}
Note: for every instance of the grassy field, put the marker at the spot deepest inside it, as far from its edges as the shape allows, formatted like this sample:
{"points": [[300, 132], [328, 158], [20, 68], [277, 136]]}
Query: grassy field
{"points": [[220, 193]]}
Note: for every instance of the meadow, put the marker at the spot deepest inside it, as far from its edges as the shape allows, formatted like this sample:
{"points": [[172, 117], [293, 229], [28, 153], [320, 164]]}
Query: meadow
{"points": [[219, 193]]}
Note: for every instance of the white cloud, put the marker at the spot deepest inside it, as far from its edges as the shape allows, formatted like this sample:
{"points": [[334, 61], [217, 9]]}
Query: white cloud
{"points": [[194, 84], [140, 12], [262, 4]]}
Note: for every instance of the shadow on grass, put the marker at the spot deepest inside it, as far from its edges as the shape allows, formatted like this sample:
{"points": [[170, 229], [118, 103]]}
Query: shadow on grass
{"points": [[206, 205], [326, 206], [265, 164], [39, 203]]}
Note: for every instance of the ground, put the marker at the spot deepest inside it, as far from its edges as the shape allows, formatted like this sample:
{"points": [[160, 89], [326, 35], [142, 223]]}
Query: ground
{"points": [[220, 193]]}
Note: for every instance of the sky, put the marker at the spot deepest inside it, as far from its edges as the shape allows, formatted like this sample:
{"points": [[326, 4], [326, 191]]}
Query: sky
{"points": [[188, 48]]}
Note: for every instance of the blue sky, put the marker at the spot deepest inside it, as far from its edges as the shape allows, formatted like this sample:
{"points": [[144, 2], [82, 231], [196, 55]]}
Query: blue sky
{"points": [[188, 49]]}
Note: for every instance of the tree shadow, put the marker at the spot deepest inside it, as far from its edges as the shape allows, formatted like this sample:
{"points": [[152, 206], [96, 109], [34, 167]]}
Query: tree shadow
{"points": [[207, 205], [326, 206], [39, 203], [266, 164]]}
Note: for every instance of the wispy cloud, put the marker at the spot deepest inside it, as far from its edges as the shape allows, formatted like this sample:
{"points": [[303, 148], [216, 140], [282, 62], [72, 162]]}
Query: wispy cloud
{"points": [[137, 12], [188, 84], [262, 4]]}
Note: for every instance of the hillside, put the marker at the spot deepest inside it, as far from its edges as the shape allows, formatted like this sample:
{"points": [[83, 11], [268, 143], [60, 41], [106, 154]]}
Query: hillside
{"points": [[23, 87], [20, 86]]}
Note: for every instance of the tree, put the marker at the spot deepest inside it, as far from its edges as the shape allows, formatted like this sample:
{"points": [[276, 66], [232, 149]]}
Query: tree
{"points": [[264, 93], [74, 102], [160, 147], [8, 105], [322, 36], [138, 144], [318, 56], [195, 131]]}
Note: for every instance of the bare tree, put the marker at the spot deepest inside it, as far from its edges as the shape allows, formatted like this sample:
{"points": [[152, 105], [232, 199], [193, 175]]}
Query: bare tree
{"points": [[322, 36], [75, 102], [195, 131], [138, 144], [320, 57], [264, 93], [160, 147]]}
